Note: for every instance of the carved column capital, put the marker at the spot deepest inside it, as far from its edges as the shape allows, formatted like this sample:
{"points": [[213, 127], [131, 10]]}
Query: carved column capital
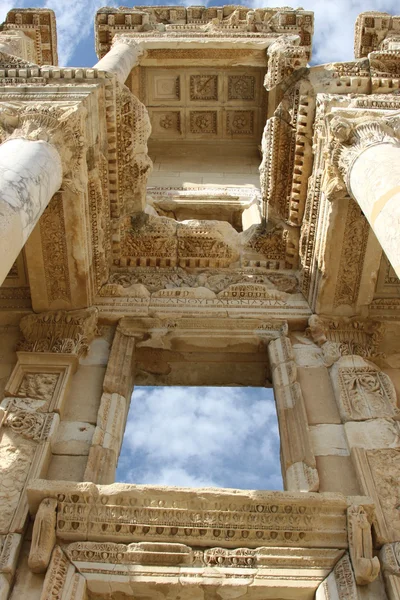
{"points": [[60, 124], [348, 137], [121, 38], [62, 331]]}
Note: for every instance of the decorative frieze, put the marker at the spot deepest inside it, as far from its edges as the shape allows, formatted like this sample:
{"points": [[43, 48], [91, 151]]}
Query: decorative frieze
{"points": [[123, 513]]}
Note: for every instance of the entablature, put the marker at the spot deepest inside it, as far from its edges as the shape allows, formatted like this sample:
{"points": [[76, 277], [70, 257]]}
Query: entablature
{"points": [[201, 22]]}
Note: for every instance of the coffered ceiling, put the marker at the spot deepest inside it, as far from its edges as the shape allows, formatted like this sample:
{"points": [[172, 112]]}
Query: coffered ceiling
{"points": [[204, 103]]}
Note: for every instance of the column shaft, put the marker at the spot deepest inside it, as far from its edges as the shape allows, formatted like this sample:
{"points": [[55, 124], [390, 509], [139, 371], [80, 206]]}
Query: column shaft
{"points": [[30, 174], [375, 184], [120, 60]]}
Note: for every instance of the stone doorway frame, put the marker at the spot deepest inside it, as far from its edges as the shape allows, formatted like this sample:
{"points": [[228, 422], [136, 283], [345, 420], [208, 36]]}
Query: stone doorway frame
{"points": [[298, 460]]}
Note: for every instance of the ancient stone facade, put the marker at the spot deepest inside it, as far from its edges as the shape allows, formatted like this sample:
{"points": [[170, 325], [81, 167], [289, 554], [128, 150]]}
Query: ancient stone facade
{"points": [[200, 207]]}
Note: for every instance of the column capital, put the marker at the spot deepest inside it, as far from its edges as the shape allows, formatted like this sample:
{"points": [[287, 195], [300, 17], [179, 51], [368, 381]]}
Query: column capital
{"points": [[58, 123], [348, 137], [121, 38], [67, 332]]}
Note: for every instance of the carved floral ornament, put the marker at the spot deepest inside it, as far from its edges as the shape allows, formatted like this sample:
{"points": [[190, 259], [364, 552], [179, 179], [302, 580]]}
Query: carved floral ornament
{"points": [[345, 337], [59, 331], [348, 137], [60, 124]]}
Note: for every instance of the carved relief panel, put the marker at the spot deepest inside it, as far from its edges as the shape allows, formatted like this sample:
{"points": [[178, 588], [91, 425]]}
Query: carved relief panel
{"points": [[203, 103], [362, 390]]}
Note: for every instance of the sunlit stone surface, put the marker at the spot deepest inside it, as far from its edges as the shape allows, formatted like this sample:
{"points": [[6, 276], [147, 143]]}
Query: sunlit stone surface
{"points": [[201, 208]]}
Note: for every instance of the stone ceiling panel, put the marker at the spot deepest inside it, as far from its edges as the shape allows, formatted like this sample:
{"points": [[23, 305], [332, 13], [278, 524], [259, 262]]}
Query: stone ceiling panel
{"points": [[204, 103]]}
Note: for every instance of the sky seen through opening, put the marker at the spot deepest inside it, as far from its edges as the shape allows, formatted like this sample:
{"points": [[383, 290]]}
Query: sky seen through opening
{"points": [[201, 437]]}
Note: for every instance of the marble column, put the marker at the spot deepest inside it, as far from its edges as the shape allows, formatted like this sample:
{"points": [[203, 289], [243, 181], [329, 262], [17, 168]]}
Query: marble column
{"points": [[122, 57], [366, 152], [30, 174], [374, 181]]}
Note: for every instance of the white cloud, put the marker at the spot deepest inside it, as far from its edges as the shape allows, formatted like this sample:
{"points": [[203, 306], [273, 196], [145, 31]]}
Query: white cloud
{"points": [[202, 437], [75, 23], [6, 5]]}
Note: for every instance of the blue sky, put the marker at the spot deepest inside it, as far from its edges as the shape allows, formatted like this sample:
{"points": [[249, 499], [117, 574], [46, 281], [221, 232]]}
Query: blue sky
{"points": [[202, 436], [333, 39]]}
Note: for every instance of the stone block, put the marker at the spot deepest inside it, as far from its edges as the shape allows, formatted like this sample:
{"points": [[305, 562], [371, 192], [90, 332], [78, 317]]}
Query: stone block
{"points": [[101, 465], [328, 440], [4, 587], [337, 474], [67, 468], [83, 398], [73, 438], [99, 351], [319, 398], [377, 433]]}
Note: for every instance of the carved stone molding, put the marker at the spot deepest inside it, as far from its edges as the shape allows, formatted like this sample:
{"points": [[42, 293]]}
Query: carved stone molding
{"points": [[134, 164], [29, 424], [145, 568], [390, 558], [378, 472], [340, 583], [39, 25], [125, 513], [285, 56], [67, 332], [298, 460], [62, 580], [39, 381], [59, 123], [345, 336], [366, 566], [372, 29], [43, 536], [181, 22]]}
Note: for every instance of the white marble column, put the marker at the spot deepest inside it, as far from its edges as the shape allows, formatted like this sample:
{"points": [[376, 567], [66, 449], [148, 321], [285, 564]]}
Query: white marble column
{"points": [[30, 174], [365, 151], [121, 58], [374, 181]]}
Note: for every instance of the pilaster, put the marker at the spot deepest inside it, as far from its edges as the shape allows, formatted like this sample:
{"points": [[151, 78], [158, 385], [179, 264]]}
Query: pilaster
{"points": [[32, 410]]}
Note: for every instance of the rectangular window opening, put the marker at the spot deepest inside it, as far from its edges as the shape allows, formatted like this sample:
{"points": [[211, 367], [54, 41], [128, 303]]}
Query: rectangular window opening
{"points": [[224, 437]]}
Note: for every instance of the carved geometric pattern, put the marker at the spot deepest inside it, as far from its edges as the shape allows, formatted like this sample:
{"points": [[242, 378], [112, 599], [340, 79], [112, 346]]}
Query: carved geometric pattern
{"points": [[203, 121], [240, 122], [204, 87], [167, 88], [241, 87]]}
